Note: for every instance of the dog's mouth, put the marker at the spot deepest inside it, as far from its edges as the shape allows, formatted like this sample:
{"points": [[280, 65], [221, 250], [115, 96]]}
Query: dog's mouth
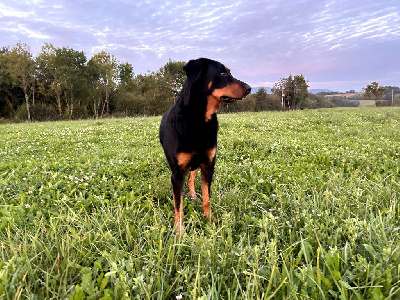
{"points": [[227, 99]]}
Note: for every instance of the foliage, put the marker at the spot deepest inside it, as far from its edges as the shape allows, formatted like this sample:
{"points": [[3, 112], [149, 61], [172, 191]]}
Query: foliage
{"points": [[60, 83], [381, 103], [20, 67], [63, 84], [59, 75], [313, 101], [306, 205], [392, 91], [7, 92], [173, 77], [259, 101], [344, 102], [292, 90], [374, 91]]}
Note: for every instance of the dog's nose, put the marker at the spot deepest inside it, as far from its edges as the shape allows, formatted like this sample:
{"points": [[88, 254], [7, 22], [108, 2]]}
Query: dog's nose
{"points": [[247, 88]]}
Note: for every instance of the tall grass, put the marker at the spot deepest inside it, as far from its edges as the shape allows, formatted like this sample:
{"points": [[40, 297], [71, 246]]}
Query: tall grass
{"points": [[306, 205]]}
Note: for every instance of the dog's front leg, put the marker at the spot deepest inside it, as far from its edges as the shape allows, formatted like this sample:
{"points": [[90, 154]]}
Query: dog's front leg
{"points": [[177, 180]]}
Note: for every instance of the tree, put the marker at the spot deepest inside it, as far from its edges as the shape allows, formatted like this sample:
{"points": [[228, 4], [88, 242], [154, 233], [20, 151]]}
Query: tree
{"points": [[21, 68], [173, 76], [156, 93], [374, 91], [292, 90], [6, 88], [262, 100], [70, 66], [104, 71], [392, 94], [125, 73], [59, 72], [127, 98], [158, 90], [313, 101], [300, 91], [279, 90]]}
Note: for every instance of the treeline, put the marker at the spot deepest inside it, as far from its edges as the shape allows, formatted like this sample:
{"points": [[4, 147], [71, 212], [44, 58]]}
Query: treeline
{"points": [[61, 83], [287, 94]]}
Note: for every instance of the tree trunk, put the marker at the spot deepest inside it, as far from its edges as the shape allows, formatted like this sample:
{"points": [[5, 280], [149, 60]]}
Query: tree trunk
{"points": [[71, 107], [25, 88], [27, 106], [98, 108], [71, 110], [9, 103], [59, 107], [33, 95], [95, 109], [107, 103]]}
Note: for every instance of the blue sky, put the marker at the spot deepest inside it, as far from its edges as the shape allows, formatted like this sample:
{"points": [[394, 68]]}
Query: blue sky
{"points": [[335, 44]]}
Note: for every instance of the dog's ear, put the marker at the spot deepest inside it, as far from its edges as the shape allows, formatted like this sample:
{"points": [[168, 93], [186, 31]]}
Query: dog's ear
{"points": [[194, 69]]}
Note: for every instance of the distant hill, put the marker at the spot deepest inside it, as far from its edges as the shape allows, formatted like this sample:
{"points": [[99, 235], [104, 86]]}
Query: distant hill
{"points": [[316, 91], [255, 89], [268, 89]]}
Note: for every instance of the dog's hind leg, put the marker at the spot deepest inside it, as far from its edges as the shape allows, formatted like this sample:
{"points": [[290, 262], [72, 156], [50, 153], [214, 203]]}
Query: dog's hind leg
{"points": [[207, 171], [206, 178], [192, 191]]}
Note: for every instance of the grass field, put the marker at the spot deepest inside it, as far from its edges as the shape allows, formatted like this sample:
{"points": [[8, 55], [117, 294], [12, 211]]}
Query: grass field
{"points": [[306, 205]]}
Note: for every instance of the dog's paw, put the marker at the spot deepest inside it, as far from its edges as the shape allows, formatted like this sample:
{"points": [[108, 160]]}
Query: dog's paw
{"points": [[192, 194]]}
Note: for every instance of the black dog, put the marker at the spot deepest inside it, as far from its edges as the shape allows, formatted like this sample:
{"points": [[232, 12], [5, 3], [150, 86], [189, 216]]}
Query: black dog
{"points": [[188, 131]]}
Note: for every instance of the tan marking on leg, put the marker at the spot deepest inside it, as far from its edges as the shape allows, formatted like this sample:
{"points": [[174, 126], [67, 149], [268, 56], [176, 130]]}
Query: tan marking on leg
{"points": [[183, 159], [206, 196], [192, 176], [179, 226]]}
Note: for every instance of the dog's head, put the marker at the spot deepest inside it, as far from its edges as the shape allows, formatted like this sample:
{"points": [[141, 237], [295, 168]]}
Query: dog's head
{"points": [[215, 81]]}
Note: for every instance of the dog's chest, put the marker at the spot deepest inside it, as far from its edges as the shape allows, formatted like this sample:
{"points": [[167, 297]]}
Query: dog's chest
{"points": [[201, 136]]}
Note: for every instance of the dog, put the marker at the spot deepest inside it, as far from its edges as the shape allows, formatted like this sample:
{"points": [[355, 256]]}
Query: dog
{"points": [[188, 130]]}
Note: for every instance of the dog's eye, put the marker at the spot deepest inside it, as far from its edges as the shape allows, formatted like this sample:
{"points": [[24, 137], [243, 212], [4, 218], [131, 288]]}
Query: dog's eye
{"points": [[224, 74]]}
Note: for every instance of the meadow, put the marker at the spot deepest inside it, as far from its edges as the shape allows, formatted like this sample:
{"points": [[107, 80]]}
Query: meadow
{"points": [[306, 206]]}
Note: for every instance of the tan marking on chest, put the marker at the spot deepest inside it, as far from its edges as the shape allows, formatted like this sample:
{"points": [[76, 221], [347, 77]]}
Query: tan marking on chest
{"points": [[213, 107]]}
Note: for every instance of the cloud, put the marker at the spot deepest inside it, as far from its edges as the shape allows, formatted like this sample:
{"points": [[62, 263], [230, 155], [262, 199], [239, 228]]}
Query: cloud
{"points": [[31, 33], [259, 40], [15, 12]]}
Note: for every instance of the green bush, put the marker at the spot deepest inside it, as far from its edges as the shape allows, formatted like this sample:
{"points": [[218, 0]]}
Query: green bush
{"points": [[382, 103]]}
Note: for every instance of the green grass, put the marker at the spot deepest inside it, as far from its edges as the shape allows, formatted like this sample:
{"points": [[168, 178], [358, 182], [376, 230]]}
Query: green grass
{"points": [[306, 205]]}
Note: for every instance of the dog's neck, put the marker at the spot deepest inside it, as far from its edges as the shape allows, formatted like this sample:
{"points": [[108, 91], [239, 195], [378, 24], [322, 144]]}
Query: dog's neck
{"points": [[192, 99], [213, 107]]}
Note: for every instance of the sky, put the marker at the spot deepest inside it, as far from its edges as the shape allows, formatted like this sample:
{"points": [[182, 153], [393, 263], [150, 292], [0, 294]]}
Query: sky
{"points": [[338, 45]]}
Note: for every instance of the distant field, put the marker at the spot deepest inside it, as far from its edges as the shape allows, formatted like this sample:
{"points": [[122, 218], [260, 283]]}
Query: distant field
{"points": [[343, 95], [363, 103], [366, 103], [306, 205]]}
